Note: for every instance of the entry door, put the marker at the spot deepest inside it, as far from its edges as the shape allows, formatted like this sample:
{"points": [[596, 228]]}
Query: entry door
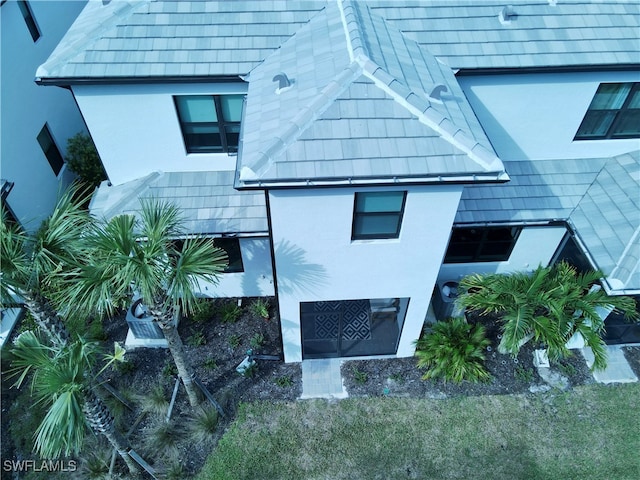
{"points": [[333, 329]]}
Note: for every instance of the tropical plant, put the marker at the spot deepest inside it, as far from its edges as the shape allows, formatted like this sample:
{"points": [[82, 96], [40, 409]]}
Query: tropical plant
{"points": [[127, 251], [257, 341], [202, 424], [203, 311], [453, 350], [548, 305], [83, 159], [260, 308], [230, 313], [64, 381], [32, 265]]}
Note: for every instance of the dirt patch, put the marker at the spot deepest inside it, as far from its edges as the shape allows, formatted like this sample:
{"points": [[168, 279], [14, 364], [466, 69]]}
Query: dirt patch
{"points": [[632, 354]]}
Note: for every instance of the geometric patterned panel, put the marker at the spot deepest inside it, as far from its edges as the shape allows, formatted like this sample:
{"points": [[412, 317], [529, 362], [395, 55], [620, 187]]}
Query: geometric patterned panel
{"points": [[356, 320]]}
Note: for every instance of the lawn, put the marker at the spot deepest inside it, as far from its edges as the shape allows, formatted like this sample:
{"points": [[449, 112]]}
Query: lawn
{"points": [[592, 432]]}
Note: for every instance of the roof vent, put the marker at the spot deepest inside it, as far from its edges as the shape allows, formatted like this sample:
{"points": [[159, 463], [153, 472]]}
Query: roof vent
{"points": [[283, 82], [507, 14], [553, 3], [436, 93]]}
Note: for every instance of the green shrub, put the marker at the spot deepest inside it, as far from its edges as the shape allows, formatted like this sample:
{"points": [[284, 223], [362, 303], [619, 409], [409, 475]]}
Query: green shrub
{"points": [[230, 313], [161, 440], [524, 374], [155, 401], [454, 350], [202, 424], [197, 339], [284, 381], [124, 367], [210, 364], [234, 341], [83, 159], [260, 308], [566, 368], [170, 370], [203, 311], [360, 376], [257, 341]]}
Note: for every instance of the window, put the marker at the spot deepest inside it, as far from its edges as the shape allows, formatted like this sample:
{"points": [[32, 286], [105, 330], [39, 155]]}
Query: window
{"points": [[25, 9], [231, 246], [210, 123], [378, 215], [614, 113], [50, 150], [489, 244]]}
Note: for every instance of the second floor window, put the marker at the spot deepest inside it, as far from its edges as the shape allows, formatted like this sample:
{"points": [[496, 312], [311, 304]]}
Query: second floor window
{"points": [[378, 215], [25, 9], [50, 150], [210, 123], [614, 113]]}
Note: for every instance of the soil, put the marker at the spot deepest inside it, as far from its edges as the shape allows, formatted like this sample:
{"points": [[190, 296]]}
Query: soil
{"points": [[215, 349]]}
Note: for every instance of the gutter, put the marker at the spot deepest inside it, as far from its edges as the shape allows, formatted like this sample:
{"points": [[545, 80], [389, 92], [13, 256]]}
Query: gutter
{"points": [[66, 82]]}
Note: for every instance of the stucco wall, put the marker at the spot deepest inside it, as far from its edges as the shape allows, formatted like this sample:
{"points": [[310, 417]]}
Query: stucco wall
{"points": [[26, 107], [536, 116], [535, 246], [136, 128], [255, 281], [317, 260]]}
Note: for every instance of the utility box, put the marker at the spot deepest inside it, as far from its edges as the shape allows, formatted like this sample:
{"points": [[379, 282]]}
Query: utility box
{"points": [[444, 301]]}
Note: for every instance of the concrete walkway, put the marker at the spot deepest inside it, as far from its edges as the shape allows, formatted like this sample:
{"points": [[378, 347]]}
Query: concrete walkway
{"points": [[618, 369], [322, 379]]}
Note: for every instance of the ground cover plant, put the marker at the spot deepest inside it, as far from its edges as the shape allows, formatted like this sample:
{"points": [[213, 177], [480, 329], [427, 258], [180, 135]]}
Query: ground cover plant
{"points": [[571, 435]]}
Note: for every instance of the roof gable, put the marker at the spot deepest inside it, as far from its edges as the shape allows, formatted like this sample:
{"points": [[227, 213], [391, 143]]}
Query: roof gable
{"points": [[331, 76]]}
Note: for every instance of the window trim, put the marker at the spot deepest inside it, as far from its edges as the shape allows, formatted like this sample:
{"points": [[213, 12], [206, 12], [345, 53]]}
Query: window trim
{"points": [[221, 124], [619, 114], [29, 19], [56, 163], [477, 256], [399, 214]]}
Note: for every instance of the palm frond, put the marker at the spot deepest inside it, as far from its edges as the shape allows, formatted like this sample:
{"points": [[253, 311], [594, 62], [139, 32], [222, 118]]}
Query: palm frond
{"points": [[63, 428], [160, 220], [14, 261]]}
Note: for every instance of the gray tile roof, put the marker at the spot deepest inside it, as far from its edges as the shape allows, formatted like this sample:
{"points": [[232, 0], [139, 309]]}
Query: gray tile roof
{"points": [[157, 38], [359, 110], [607, 221], [600, 199], [468, 34], [208, 201]]}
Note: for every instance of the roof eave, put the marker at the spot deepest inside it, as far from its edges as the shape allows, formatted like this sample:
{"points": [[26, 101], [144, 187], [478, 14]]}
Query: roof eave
{"points": [[70, 81]]}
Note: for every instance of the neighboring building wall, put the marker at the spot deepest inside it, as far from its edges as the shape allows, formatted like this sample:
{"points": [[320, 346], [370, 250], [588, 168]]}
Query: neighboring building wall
{"points": [[255, 281], [137, 131], [535, 246], [317, 260], [26, 107], [536, 116]]}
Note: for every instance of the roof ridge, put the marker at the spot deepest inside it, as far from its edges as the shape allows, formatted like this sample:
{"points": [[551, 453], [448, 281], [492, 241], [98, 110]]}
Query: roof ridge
{"points": [[406, 96], [111, 13], [144, 185]]}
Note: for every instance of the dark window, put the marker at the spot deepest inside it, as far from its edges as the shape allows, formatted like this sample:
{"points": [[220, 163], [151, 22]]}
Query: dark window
{"points": [[25, 9], [231, 246], [614, 113], [50, 150], [210, 123], [489, 244], [378, 215]]}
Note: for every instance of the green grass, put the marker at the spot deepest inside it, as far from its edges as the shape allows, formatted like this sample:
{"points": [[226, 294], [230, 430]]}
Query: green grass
{"points": [[589, 433]]}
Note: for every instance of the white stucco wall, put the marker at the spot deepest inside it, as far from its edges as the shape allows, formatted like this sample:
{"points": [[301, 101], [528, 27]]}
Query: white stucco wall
{"points": [[136, 128], [535, 246], [255, 281], [26, 107], [536, 116], [317, 260]]}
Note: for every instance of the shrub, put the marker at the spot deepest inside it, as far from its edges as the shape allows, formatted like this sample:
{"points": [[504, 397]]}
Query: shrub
{"points": [[260, 308], [284, 381], [454, 350], [202, 424], [83, 159], [155, 401], [524, 374], [234, 341], [257, 341], [210, 364], [230, 313], [170, 370], [359, 376], [197, 339], [161, 440], [204, 310]]}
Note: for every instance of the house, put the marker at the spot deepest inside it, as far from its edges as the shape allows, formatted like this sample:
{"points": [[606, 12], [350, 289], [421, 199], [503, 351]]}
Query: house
{"points": [[36, 122], [357, 158]]}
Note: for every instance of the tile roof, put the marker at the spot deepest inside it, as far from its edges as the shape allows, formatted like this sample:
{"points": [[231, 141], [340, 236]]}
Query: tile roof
{"points": [[600, 199], [207, 200], [188, 38], [607, 221], [358, 110], [468, 34]]}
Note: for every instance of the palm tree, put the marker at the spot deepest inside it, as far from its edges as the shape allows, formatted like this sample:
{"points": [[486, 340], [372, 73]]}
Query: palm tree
{"points": [[31, 264], [63, 380], [126, 252], [549, 305]]}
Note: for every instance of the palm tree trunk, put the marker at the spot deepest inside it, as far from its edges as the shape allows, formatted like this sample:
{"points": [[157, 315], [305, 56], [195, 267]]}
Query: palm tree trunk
{"points": [[176, 347], [47, 318], [101, 421]]}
